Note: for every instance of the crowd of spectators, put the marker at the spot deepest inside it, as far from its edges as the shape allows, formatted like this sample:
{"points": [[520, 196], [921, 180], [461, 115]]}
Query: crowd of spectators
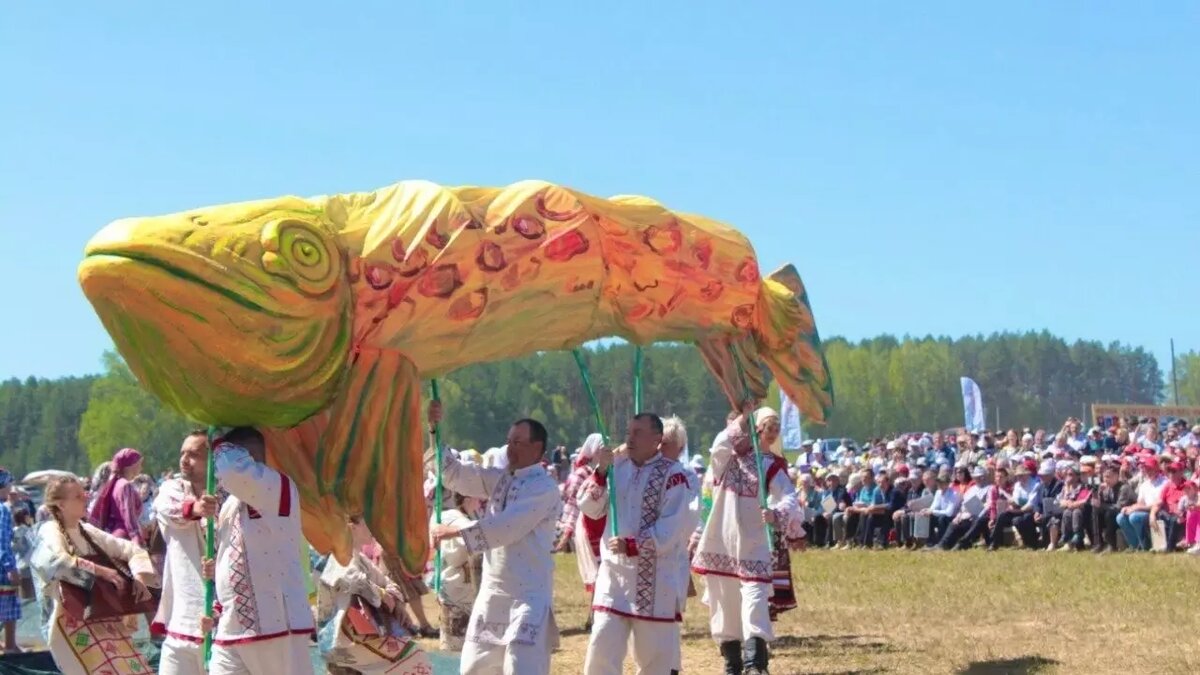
{"points": [[1130, 487]]}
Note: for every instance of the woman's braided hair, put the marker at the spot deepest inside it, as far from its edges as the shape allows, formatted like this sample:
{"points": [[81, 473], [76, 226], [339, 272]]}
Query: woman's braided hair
{"points": [[56, 493]]}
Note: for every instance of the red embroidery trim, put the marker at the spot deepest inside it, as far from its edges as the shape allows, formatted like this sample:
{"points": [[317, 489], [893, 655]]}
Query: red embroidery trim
{"points": [[285, 496], [244, 607], [260, 638], [677, 479], [639, 617]]}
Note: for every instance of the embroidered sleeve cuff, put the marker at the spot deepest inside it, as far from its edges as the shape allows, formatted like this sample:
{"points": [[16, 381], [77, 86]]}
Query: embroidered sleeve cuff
{"points": [[473, 539], [631, 547], [781, 519], [189, 510], [646, 544]]}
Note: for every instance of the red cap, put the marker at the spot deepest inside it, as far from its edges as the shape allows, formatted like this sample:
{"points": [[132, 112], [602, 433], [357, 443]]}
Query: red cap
{"points": [[1031, 466], [903, 470], [1151, 462], [1174, 466]]}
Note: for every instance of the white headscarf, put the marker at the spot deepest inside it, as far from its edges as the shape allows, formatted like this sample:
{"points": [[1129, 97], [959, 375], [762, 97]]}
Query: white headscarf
{"points": [[765, 413], [496, 457], [590, 445]]}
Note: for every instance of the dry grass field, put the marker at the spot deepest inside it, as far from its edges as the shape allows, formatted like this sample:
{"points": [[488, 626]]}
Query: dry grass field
{"points": [[972, 612]]}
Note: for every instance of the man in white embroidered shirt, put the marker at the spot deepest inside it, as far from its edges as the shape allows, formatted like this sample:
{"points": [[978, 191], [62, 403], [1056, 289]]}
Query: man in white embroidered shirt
{"points": [[639, 584], [180, 508], [265, 620], [510, 625]]}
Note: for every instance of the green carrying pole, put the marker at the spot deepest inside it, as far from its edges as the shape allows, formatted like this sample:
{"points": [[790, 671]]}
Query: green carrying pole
{"points": [[762, 479], [437, 493], [210, 543], [587, 384], [637, 380]]}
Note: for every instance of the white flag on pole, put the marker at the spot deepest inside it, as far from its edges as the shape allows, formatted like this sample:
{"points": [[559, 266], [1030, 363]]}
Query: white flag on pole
{"points": [[789, 423], [972, 405]]}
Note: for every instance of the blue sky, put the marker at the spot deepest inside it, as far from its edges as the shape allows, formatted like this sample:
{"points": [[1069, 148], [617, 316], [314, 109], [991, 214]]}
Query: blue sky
{"points": [[930, 168]]}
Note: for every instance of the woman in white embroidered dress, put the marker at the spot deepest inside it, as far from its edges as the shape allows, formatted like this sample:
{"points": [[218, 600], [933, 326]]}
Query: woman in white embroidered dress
{"points": [[343, 587], [85, 647], [733, 552], [577, 530], [460, 583], [791, 537]]}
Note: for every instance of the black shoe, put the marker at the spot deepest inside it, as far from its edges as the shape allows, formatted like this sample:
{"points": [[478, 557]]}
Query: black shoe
{"points": [[732, 651], [754, 655]]}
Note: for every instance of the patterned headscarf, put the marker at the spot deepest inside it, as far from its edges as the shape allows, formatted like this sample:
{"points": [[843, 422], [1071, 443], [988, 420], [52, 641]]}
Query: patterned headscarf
{"points": [[6, 479]]}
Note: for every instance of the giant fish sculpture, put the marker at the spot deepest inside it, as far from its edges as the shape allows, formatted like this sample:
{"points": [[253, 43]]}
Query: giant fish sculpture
{"points": [[317, 319]]}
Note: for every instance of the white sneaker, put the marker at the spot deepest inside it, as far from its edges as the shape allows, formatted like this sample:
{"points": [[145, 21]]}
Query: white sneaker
{"points": [[1195, 550]]}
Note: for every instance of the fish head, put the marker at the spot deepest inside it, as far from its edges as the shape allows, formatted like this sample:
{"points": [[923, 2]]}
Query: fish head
{"points": [[233, 315]]}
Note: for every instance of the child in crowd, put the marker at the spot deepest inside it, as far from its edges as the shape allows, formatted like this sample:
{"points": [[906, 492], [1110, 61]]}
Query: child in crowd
{"points": [[22, 549], [1189, 505]]}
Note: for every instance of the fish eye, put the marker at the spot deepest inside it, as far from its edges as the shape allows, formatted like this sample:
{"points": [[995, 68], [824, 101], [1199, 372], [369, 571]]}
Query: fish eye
{"points": [[307, 253], [297, 251]]}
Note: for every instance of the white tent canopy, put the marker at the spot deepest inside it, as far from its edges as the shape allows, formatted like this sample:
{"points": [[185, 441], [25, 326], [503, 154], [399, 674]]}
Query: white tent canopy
{"points": [[46, 475]]}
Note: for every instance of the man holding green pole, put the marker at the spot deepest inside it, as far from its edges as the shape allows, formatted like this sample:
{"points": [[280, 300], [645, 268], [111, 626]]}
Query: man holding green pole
{"points": [[181, 508], [511, 630], [265, 620], [640, 585]]}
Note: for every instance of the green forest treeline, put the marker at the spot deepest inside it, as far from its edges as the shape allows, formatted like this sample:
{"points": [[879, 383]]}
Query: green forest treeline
{"points": [[882, 385]]}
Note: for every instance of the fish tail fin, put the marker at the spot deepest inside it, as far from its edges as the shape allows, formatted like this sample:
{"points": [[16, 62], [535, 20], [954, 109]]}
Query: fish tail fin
{"points": [[370, 455], [787, 339], [783, 337]]}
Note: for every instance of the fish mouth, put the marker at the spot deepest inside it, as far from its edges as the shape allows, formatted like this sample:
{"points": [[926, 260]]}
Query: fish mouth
{"points": [[105, 257], [204, 349]]}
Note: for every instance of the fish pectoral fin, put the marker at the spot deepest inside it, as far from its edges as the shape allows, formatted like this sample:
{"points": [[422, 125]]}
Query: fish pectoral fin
{"points": [[369, 456], [734, 361], [293, 451]]}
